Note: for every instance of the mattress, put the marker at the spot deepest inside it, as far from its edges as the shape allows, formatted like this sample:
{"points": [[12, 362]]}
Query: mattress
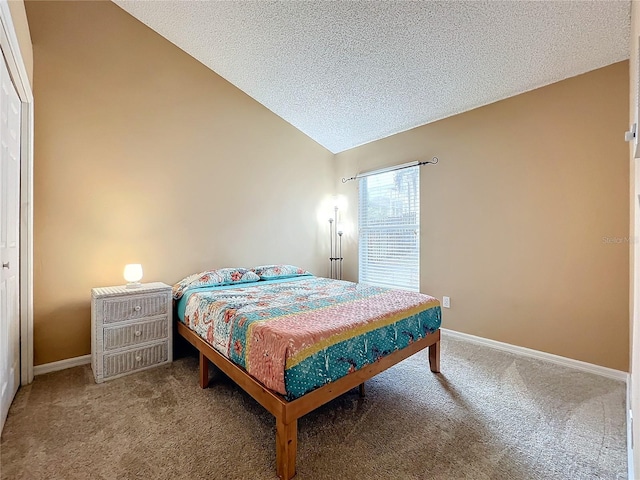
{"points": [[297, 334]]}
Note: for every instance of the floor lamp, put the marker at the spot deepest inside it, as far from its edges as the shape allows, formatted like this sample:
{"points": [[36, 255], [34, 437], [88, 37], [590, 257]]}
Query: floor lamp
{"points": [[335, 243]]}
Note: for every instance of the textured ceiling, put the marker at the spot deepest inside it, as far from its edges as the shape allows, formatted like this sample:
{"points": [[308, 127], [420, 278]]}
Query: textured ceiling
{"points": [[350, 72]]}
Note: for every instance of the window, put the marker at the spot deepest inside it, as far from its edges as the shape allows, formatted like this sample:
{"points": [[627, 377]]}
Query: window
{"points": [[389, 224]]}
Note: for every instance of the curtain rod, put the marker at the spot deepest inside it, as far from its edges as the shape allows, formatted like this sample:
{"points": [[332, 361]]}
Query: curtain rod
{"points": [[417, 163]]}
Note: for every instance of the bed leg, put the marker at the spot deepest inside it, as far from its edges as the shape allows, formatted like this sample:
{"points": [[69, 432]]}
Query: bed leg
{"points": [[361, 389], [204, 371], [434, 357], [286, 446]]}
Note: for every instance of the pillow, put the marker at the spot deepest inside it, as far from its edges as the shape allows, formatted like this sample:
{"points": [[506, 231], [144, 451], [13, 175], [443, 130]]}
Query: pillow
{"points": [[214, 278], [269, 272]]}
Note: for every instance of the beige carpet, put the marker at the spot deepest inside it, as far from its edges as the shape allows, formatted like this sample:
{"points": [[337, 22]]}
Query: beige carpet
{"points": [[489, 415]]}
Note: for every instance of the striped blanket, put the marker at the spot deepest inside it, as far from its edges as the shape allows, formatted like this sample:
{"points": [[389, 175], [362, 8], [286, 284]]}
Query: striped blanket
{"points": [[298, 334]]}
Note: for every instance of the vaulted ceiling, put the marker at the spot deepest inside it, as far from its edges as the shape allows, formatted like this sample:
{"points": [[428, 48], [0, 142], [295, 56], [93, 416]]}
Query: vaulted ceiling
{"points": [[351, 72]]}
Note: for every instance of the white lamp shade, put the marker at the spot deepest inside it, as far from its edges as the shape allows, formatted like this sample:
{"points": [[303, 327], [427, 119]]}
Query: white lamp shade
{"points": [[133, 272]]}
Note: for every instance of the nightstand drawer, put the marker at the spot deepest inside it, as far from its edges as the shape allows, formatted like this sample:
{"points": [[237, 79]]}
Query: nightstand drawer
{"points": [[131, 360], [135, 333], [120, 309]]}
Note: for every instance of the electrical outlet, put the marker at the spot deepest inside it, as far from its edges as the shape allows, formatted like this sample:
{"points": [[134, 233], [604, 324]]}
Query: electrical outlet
{"points": [[446, 302]]}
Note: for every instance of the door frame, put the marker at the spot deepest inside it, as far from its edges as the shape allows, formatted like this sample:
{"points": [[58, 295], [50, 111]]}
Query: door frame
{"points": [[11, 50]]}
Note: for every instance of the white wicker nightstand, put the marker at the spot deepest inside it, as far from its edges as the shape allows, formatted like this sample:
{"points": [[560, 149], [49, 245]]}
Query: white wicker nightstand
{"points": [[131, 329]]}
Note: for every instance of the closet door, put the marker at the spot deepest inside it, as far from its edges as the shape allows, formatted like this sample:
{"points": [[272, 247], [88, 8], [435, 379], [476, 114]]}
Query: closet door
{"points": [[9, 241]]}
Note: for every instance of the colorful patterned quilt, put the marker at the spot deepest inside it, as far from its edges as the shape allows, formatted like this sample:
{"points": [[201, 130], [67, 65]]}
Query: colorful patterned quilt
{"points": [[301, 333]]}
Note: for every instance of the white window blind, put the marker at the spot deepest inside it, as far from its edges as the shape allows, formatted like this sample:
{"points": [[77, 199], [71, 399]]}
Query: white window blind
{"points": [[389, 225]]}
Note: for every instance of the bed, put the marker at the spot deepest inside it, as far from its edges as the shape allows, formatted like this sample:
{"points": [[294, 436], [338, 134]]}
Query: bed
{"points": [[294, 341]]}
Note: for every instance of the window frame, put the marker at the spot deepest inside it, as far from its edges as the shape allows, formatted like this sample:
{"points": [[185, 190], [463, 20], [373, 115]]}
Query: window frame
{"points": [[398, 262]]}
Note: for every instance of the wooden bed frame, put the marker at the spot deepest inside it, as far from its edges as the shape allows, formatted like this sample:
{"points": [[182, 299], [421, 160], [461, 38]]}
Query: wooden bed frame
{"points": [[288, 412]]}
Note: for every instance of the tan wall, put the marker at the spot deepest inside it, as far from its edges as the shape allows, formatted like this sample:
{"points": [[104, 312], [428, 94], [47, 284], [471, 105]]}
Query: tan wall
{"points": [[19, 17], [144, 155], [515, 215]]}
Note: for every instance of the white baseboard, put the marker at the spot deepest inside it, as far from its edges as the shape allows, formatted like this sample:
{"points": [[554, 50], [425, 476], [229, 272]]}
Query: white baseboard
{"points": [[549, 357], [61, 364], [630, 466], [507, 347]]}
